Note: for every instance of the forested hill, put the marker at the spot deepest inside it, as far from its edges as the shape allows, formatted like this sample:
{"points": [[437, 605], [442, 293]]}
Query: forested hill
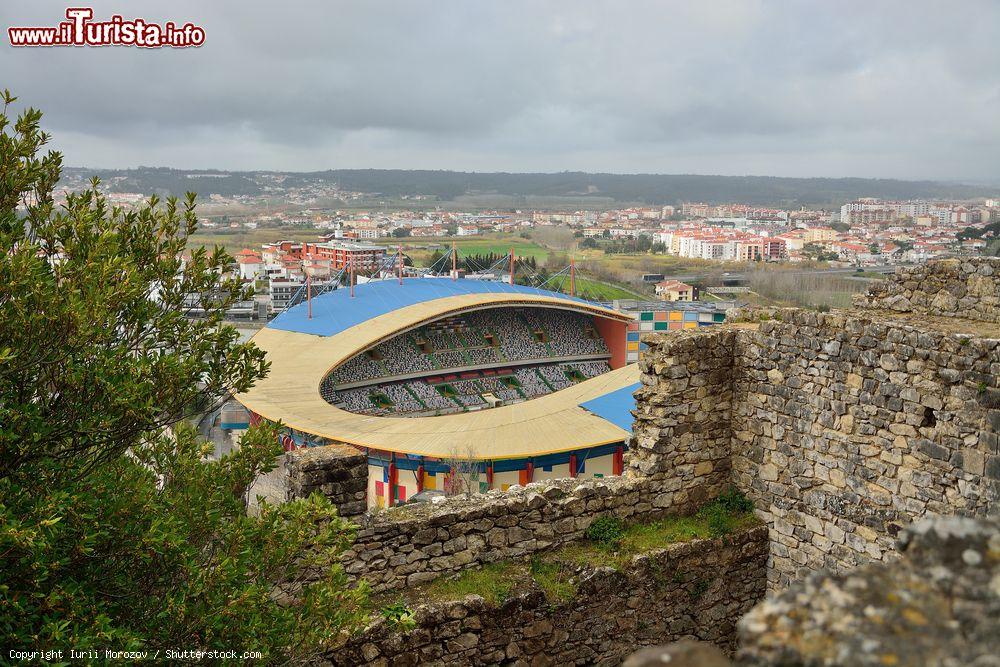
{"points": [[447, 185]]}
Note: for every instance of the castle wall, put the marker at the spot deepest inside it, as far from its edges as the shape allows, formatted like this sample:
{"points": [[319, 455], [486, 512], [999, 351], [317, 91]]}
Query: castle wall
{"points": [[966, 288], [695, 589], [682, 428], [939, 604], [842, 428], [846, 428], [339, 472], [414, 544]]}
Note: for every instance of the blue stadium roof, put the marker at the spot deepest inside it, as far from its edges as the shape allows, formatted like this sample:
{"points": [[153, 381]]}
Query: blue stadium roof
{"points": [[616, 406], [336, 311]]}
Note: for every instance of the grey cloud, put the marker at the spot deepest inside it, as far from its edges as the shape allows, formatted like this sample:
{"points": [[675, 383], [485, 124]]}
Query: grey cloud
{"points": [[893, 88]]}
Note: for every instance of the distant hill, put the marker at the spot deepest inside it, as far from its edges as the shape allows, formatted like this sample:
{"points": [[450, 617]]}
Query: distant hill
{"points": [[625, 188]]}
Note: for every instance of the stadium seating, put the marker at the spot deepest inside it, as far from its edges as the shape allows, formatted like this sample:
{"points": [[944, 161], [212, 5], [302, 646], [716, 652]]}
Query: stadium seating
{"points": [[490, 338], [520, 335], [419, 397], [591, 369], [555, 376], [531, 383]]}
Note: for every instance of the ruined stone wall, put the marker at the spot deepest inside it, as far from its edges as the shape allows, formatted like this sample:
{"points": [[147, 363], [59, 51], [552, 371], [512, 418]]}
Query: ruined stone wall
{"points": [[966, 288], [839, 426], [937, 605], [338, 472], [846, 428], [682, 427], [696, 589], [414, 544]]}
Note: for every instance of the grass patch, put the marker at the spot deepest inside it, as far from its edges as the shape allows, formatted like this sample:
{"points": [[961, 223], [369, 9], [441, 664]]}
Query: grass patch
{"points": [[554, 578], [494, 582], [608, 543], [592, 289]]}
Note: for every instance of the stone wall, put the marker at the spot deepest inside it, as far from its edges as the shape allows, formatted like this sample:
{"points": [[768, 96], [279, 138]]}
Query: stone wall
{"points": [[937, 605], [338, 472], [840, 427], [845, 428], [683, 415], [966, 288], [696, 589], [413, 544]]}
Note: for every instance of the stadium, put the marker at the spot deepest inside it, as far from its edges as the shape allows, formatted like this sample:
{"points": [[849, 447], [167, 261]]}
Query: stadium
{"points": [[454, 384]]}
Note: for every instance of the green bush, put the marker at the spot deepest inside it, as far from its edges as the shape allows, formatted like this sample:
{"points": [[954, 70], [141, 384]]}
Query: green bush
{"points": [[398, 616], [116, 528], [733, 500], [724, 514], [607, 531]]}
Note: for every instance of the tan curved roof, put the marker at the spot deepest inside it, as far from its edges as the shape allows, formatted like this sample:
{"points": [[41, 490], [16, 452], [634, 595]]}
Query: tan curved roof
{"points": [[550, 423]]}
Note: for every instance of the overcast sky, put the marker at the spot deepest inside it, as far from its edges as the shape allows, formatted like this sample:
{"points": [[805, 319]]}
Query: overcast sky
{"points": [[877, 88]]}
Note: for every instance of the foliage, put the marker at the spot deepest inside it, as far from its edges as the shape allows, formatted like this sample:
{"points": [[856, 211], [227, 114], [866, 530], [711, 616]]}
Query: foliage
{"points": [[724, 514], [804, 290], [986, 231], [817, 252], [99, 360], [606, 531], [116, 529], [117, 559], [628, 246], [398, 616], [588, 242]]}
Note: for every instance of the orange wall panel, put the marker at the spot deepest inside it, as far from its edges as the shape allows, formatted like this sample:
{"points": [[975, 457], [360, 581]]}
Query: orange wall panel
{"points": [[613, 333]]}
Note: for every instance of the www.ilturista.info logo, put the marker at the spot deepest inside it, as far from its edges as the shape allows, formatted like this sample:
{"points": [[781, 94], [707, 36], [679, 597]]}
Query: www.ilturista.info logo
{"points": [[79, 30]]}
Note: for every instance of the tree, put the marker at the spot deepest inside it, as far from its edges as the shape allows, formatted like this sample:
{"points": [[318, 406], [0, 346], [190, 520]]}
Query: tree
{"points": [[400, 232], [115, 528], [816, 251], [588, 242]]}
